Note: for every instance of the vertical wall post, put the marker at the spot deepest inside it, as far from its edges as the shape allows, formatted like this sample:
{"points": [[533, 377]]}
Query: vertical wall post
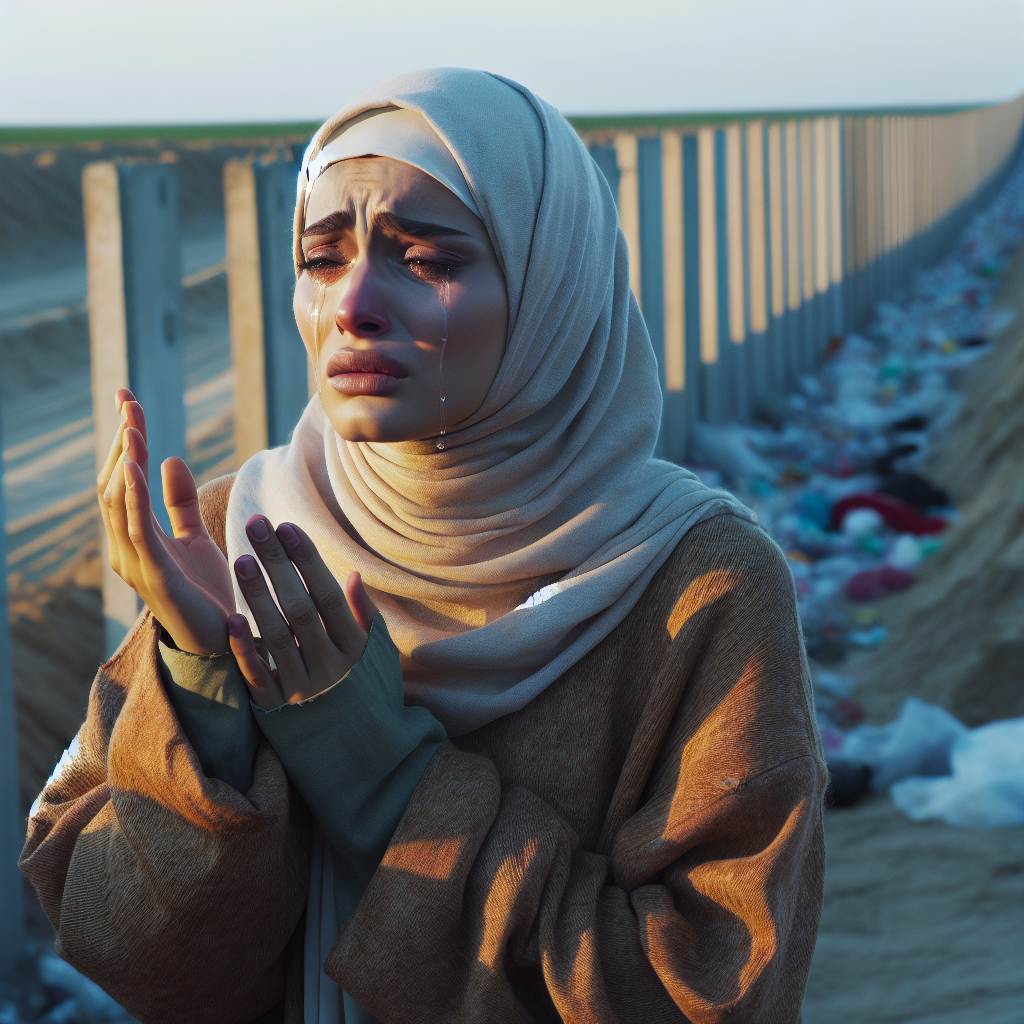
{"points": [[822, 226], [245, 309], [713, 405], [108, 350], [153, 311], [809, 330], [693, 260], [133, 266], [837, 243], [284, 356], [673, 262], [12, 825], [735, 247], [791, 172], [651, 246], [777, 262], [270, 365], [627, 159], [757, 265]]}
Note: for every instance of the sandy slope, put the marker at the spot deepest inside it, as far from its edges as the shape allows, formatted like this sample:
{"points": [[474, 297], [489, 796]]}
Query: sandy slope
{"points": [[923, 923]]}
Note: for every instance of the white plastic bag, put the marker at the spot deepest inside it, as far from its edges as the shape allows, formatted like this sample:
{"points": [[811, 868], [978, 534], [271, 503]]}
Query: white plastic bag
{"points": [[986, 789], [918, 742]]}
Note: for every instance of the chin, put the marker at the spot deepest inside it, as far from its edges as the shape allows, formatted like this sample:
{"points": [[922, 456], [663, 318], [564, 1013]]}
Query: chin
{"points": [[364, 425]]}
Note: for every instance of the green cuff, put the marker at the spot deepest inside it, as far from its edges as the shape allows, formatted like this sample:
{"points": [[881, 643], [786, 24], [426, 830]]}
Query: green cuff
{"points": [[356, 753], [211, 700]]}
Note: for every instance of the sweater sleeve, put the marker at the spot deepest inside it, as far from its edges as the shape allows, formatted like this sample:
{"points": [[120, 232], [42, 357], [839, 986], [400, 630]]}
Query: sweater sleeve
{"points": [[356, 754], [174, 891], [699, 902], [211, 700]]}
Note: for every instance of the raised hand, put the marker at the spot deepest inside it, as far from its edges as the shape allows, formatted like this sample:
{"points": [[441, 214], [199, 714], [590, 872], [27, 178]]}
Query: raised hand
{"points": [[183, 579], [323, 630]]}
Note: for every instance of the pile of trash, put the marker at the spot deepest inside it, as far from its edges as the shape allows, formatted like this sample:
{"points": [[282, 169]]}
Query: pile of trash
{"points": [[58, 994], [836, 474]]}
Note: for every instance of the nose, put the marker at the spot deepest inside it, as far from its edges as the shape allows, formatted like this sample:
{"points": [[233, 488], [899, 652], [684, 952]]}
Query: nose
{"points": [[361, 309]]}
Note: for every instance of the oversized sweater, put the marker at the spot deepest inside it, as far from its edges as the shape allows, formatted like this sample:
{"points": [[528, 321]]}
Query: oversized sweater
{"points": [[641, 842]]}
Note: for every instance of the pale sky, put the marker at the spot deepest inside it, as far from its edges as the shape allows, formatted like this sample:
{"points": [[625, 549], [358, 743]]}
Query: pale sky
{"points": [[190, 61]]}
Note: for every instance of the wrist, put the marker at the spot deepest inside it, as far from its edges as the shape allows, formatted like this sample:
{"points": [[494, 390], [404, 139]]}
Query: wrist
{"points": [[207, 645]]}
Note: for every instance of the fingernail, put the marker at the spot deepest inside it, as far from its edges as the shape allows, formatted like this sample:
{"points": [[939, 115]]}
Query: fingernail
{"points": [[258, 529], [236, 626], [245, 566], [289, 538], [129, 480]]}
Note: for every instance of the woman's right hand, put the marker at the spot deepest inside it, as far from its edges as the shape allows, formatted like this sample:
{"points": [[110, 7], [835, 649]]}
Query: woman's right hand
{"points": [[184, 580]]}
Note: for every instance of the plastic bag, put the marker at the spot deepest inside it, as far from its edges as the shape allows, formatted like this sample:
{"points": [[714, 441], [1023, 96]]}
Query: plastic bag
{"points": [[986, 788], [918, 742]]}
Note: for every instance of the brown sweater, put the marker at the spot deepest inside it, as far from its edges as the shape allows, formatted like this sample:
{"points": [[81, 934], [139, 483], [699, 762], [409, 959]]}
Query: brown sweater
{"points": [[642, 842]]}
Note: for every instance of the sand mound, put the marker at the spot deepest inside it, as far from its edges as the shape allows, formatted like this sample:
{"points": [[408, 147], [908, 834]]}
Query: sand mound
{"points": [[957, 638]]}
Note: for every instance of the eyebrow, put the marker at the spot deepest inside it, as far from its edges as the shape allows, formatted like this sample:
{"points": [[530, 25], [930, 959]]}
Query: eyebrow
{"points": [[342, 220]]}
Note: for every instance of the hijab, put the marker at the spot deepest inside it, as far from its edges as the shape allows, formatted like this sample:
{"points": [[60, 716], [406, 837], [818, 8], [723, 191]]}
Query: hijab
{"points": [[499, 562]]}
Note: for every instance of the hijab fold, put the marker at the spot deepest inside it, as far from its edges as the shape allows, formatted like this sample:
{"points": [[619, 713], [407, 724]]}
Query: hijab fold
{"points": [[501, 561]]}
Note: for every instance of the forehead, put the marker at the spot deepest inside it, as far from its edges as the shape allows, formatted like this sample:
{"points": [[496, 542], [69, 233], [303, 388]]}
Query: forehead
{"points": [[385, 184]]}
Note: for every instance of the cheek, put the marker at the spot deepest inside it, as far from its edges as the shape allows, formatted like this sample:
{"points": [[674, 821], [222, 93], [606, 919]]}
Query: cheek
{"points": [[302, 304]]}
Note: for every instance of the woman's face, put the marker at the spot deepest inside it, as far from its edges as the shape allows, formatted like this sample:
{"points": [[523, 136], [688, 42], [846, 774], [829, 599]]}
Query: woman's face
{"points": [[382, 238]]}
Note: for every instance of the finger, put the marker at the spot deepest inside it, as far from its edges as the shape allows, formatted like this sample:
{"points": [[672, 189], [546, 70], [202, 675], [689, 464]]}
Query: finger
{"points": [[364, 610], [121, 396], [264, 687], [113, 456], [123, 557], [181, 498], [298, 607], [327, 594], [135, 436], [143, 532], [273, 628]]}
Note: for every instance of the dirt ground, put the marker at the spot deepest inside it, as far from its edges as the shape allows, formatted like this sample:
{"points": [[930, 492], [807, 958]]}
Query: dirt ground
{"points": [[923, 923]]}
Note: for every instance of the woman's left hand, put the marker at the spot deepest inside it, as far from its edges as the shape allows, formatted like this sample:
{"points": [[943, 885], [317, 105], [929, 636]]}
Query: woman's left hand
{"points": [[324, 628]]}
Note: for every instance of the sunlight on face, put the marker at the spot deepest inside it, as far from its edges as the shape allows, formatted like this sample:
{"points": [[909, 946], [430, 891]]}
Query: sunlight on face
{"points": [[382, 238]]}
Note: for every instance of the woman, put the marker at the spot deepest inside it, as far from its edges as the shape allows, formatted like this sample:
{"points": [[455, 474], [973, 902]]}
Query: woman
{"points": [[569, 770]]}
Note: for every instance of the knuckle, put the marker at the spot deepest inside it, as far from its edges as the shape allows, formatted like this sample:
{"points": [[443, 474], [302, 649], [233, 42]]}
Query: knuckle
{"points": [[279, 639], [329, 599], [301, 613]]}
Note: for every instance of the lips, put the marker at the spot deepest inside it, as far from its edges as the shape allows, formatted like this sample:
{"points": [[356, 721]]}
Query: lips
{"points": [[354, 372]]}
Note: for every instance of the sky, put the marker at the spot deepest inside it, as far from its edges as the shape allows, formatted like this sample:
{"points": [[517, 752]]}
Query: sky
{"points": [[74, 62]]}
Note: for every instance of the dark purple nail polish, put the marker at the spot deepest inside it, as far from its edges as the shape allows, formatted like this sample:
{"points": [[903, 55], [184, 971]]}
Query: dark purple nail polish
{"points": [[258, 529], [289, 537], [245, 566], [236, 626]]}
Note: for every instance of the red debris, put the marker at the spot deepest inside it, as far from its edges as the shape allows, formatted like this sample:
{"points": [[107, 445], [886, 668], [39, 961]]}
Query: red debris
{"points": [[898, 514], [875, 583]]}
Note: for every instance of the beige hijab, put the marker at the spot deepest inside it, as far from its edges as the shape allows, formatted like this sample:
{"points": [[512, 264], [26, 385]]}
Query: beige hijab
{"points": [[501, 561]]}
